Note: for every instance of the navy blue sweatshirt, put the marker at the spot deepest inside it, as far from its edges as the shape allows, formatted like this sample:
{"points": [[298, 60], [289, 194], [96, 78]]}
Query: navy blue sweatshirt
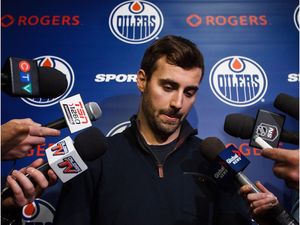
{"points": [[127, 186]]}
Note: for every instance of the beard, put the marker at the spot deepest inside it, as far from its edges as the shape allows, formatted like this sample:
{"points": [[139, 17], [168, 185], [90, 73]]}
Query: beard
{"points": [[158, 125]]}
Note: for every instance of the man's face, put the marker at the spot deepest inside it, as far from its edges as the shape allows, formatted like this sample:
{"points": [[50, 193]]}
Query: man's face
{"points": [[168, 96]]}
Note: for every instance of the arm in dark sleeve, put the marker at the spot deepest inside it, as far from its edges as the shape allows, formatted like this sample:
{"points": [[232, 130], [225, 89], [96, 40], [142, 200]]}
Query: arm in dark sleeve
{"points": [[77, 197], [230, 207]]}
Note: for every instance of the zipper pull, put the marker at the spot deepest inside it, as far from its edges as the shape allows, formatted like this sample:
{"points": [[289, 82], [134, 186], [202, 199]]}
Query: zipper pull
{"points": [[160, 170]]}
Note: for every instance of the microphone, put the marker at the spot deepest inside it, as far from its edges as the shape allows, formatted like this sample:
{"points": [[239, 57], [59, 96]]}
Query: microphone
{"points": [[23, 78], [287, 104], [93, 110], [229, 163], [240, 125], [90, 145]]}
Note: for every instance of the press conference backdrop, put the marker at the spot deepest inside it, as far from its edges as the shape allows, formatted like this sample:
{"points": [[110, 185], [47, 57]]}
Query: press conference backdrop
{"points": [[99, 46]]}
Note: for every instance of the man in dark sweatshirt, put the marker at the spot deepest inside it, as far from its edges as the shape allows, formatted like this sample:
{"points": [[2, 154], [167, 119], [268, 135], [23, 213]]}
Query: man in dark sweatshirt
{"points": [[153, 172]]}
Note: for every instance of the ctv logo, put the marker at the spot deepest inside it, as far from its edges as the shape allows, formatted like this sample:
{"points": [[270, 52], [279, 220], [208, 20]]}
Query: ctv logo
{"points": [[136, 22], [267, 131], [69, 165], [25, 77], [238, 81], [61, 65]]}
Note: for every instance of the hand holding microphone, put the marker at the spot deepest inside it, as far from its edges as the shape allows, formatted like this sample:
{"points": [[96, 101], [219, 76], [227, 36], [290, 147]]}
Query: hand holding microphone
{"points": [[229, 164], [89, 144], [260, 203], [25, 190]]}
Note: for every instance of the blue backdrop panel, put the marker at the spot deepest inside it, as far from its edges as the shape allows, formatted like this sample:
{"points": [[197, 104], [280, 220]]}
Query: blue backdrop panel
{"points": [[100, 50]]}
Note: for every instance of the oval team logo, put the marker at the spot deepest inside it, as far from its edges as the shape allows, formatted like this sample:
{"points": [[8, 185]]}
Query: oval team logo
{"points": [[136, 22], [118, 128], [61, 65], [297, 17], [38, 212], [238, 81]]}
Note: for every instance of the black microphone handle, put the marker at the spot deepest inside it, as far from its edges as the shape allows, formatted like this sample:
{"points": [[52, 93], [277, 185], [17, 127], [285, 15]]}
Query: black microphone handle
{"points": [[277, 214], [57, 124], [7, 192], [289, 137]]}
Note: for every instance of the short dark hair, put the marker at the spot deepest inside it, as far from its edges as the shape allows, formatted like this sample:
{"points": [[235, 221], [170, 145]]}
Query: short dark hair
{"points": [[177, 50]]}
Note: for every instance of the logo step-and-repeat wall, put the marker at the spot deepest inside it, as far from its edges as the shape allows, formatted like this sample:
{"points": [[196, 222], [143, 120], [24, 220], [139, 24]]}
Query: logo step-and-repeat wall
{"points": [[251, 55]]}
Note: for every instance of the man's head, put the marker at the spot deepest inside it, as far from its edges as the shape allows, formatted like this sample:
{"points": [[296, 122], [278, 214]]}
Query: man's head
{"points": [[170, 74], [177, 50]]}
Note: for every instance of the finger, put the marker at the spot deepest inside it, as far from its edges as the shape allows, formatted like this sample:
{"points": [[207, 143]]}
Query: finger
{"points": [[245, 189], [280, 170], [18, 194], [267, 200], [38, 177], [43, 131], [33, 140], [52, 177], [261, 187], [27, 121], [265, 206], [277, 154], [38, 162], [256, 196], [22, 188]]}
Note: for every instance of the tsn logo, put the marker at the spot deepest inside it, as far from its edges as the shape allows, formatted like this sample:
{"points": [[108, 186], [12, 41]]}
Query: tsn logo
{"points": [[293, 77]]}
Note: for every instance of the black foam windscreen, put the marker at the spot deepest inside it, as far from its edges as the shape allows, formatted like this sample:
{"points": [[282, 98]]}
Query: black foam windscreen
{"points": [[52, 82], [211, 147], [90, 144], [287, 104], [239, 125]]}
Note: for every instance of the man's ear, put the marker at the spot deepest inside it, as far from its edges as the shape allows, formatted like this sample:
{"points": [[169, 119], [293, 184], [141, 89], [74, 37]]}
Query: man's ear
{"points": [[141, 80]]}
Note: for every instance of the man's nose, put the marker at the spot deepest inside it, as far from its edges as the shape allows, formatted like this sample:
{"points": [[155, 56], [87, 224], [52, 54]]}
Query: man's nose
{"points": [[177, 100]]}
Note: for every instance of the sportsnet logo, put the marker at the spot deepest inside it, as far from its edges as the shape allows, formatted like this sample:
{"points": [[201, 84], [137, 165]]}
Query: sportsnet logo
{"points": [[136, 22], [238, 81], [61, 65], [267, 131], [60, 148], [69, 165]]}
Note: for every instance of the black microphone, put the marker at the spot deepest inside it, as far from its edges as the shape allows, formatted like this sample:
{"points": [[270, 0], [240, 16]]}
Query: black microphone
{"points": [[240, 125], [23, 78], [231, 163], [90, 145], [287, 104], [93, 110]]}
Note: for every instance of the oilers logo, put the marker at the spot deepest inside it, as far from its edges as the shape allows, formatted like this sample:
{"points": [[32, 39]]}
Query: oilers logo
{"points": [[297, 17], [136, 22], [238, 81], [61, 65], [118, 128], [38, 212]]}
